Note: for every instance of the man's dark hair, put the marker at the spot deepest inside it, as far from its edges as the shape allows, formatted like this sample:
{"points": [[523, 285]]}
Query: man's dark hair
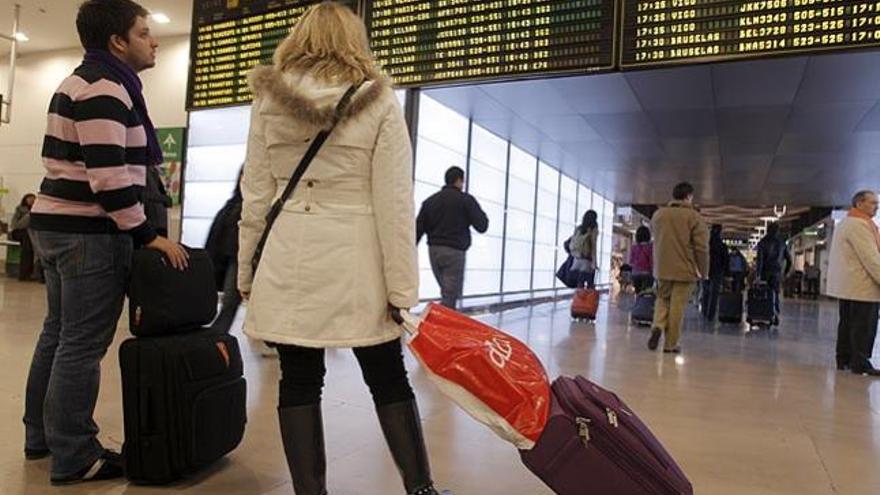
{"points": [[98, 20], [717, 228], [453, 175], [773, 229], [682, 191], [861, 196], [643, 234]]}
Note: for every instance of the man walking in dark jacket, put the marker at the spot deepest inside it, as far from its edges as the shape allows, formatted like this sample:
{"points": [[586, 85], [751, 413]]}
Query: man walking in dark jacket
{"points": [[774, 263], [447, 217]]}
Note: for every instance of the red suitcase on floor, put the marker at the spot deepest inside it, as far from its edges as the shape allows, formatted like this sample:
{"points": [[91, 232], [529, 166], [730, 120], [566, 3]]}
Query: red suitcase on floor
{"points": [[594, 444], [585, 304]]}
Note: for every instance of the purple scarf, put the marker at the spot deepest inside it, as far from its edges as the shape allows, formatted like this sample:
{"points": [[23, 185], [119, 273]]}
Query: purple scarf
{"points": [[135, 87]]}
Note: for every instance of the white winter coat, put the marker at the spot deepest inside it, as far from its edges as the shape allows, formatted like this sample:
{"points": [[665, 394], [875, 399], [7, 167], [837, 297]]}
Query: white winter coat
{"points": [[344, 246], [854, 264]]}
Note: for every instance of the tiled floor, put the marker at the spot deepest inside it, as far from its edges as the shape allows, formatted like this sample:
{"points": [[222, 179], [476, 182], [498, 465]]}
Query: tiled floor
{"points": [[745, 413]]}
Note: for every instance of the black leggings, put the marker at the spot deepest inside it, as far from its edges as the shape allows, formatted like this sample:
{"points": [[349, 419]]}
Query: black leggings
{"points": [[303, 370]]}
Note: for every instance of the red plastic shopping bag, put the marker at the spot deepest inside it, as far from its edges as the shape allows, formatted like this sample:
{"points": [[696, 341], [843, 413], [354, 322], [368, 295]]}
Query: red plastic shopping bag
{"points": [[493, 376]]}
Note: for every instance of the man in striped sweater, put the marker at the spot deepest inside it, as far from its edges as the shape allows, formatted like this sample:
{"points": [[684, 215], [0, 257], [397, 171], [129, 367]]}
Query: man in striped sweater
{"points": [[86, 221]]}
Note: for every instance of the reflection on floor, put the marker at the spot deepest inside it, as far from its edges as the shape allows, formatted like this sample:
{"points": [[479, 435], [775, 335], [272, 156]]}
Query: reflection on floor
{"points": [[744, 412]]}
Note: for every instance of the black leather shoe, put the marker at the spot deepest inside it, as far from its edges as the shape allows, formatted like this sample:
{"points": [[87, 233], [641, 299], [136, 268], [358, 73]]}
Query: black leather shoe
{"points": [[654, 341], [107, 467]]}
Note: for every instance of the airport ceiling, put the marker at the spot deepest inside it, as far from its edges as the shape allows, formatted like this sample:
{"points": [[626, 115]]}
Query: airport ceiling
{"points": [[50, 23], [795, 131]]}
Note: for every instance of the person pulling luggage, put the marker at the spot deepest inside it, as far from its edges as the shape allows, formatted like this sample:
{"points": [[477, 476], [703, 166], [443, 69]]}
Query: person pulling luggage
{"points": [[583, 247], [774, 263], [340, 263]]}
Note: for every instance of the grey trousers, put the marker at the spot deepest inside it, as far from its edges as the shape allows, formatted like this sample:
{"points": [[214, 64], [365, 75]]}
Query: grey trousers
{"points": [[448, 266]]}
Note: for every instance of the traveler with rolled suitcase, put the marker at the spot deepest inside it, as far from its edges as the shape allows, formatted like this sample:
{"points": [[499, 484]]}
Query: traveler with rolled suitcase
{"points": [[774, 263], [84, 229], [583, 250], [583, 245], [333, 261]]}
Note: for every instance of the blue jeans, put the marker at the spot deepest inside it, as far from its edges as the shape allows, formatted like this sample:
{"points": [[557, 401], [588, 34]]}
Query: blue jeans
{"points": [[86, 280]]}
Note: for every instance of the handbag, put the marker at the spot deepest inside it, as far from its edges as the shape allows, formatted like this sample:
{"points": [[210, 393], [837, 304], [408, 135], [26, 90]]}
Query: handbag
{"points": [[566, 275], [490, 374], [300, 171]]}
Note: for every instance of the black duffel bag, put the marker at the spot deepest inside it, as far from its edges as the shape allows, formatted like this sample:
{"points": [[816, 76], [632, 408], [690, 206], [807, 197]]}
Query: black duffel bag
{"points": [[163, 300]]}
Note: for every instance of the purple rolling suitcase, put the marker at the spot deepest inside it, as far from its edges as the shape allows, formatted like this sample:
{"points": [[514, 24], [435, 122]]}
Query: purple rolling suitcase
{"points": [[594, 444]]}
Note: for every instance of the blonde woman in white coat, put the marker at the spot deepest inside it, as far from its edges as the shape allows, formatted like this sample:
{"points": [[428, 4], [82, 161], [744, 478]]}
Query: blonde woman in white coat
{"points": [[340, 260]]}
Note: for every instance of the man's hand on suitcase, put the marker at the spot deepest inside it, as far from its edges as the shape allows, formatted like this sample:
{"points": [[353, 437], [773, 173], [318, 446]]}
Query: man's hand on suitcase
{"points": [[175, 253]]}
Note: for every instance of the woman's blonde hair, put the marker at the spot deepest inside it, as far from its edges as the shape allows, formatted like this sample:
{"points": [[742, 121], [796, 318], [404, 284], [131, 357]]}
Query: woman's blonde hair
{"points": [[330, 42]]}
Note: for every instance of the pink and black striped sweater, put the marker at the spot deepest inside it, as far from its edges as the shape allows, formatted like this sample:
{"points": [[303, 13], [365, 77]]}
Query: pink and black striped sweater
{"points": [[95, 155]]}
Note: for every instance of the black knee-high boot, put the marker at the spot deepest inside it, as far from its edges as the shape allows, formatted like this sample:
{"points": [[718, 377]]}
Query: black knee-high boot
{"points": [[403, 432], [302, 432]]}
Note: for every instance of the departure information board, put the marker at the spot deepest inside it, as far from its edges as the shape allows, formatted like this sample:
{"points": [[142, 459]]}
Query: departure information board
{"points": [[657, 32], [423, 42], [230, 37]]}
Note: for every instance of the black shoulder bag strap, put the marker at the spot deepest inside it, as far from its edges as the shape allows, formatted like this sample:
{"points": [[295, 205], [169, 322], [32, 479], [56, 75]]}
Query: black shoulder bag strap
{"points": [[316, 145]]}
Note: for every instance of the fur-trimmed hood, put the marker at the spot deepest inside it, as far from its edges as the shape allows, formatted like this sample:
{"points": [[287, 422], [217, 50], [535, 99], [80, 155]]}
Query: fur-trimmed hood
{"points": [[307, 100]]}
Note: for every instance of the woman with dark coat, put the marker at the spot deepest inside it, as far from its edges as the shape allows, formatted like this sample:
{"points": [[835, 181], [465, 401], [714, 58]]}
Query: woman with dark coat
{"points": [[222, 246]]}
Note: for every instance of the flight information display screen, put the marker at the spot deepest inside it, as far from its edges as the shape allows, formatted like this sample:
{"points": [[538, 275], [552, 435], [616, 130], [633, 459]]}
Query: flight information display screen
{"points": [[423, 42], [657, 32], [230, 37]]}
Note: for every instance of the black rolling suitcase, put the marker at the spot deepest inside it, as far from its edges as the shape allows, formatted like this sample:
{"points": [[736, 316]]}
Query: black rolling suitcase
{"points": [[643, 310], [760, 307], [184, 401], [730, 307], [164, 300]]}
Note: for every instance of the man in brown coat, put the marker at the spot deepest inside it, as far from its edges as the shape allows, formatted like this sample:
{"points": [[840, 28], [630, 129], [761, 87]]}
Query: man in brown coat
{"points": [[681, 259]]}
